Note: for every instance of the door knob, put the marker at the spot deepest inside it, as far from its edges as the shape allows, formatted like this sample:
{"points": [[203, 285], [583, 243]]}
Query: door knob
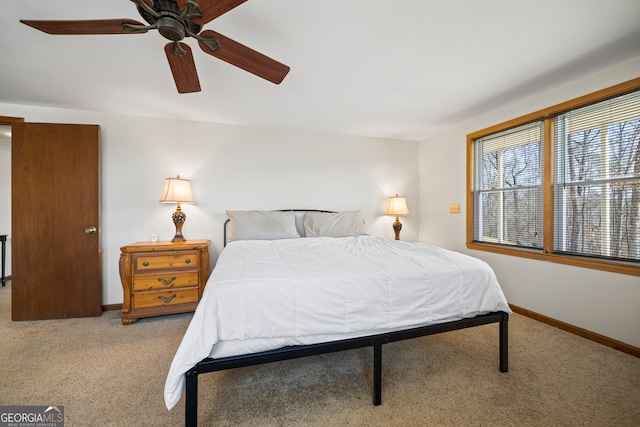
{"points": [[90, 230]]}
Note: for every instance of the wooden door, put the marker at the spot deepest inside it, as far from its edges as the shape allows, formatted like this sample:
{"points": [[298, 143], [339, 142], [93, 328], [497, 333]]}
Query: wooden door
{"points": [[56, 258]]}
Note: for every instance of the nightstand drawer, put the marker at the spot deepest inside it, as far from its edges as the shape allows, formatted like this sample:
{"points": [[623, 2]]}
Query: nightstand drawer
{"points": [[165, 280], [168, 260], [165, 298], [161, 278]]}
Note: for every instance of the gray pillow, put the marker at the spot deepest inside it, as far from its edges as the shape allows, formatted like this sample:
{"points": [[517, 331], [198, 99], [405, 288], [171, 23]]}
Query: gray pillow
{"points": [[261, 225], [339, 224]]}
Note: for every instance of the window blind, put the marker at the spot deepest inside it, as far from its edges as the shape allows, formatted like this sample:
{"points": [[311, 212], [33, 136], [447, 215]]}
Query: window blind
{"points": [[596, 183], [508, 202]]}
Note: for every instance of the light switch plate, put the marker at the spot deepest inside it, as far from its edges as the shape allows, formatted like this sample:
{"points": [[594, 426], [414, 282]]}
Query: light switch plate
{"points": [[454, 208]]}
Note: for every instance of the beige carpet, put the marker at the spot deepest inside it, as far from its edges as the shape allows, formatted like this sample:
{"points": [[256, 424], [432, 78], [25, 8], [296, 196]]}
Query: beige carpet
{"points": [[107, 374]]}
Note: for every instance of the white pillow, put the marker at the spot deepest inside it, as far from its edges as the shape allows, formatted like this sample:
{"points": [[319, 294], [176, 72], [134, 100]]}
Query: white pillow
{"points": [[261, 225], [339, 224]]}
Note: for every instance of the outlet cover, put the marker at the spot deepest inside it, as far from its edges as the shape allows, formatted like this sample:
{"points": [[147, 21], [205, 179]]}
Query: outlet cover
{"points": [[454, 208]]}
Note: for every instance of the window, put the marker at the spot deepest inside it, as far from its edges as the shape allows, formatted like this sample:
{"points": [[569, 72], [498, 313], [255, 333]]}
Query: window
{"points": [[561, 184], [508, 187], [597, 183]]}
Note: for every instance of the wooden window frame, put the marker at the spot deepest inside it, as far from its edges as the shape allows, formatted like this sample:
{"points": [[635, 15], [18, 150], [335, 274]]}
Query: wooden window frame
{"points": [[548, 116]]}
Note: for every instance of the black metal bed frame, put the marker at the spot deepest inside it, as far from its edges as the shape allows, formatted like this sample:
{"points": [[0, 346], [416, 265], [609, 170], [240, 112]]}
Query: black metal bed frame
{"points": [[375, 341]]}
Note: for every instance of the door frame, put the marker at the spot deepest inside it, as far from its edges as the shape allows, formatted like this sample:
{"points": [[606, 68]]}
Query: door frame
{"points": [[86, 300]]}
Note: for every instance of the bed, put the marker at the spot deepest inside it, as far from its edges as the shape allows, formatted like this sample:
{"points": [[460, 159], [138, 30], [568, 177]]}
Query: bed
{"points": [[291, 284]]}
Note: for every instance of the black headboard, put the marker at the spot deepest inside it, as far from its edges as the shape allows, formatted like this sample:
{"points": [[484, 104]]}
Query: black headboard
{"points": [[226, 226]]}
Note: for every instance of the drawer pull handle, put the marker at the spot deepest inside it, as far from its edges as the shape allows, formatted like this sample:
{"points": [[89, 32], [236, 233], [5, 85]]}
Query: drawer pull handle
{"points": [[164, 299], [146, 263], [187, 261], [166, 282]]}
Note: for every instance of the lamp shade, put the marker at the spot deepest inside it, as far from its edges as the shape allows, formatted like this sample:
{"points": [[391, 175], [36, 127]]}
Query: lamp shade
{"points": [[177, 190], [397, 206]]}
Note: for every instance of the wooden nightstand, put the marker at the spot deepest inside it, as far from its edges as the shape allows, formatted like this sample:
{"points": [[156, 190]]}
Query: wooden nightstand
{"points": [[162, 277]]}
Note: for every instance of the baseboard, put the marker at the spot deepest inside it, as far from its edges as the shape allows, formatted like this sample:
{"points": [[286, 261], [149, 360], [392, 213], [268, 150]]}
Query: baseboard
{"points": [[112, 307], [600, 339]]}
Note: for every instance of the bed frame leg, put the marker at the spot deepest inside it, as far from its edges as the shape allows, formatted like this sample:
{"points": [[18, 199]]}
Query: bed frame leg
{"points": [[191, 399], [504, 343], [377, 374]]}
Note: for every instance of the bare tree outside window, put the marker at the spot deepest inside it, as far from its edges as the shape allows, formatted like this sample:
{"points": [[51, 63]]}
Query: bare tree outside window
{"points": [[561, 184], [510, 191], [601, 191]]}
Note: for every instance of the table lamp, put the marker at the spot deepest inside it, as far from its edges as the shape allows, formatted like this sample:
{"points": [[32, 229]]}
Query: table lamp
{"points": [[397, 206], [177, 190]]}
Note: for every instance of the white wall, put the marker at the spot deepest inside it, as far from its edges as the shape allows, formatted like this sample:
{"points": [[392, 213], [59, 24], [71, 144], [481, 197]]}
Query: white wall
{"points": [[605, 303], [232, 167], [5, 198]]}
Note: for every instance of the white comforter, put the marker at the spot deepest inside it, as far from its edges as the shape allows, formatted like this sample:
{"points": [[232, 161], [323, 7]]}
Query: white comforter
{"points": [[267, 294]]}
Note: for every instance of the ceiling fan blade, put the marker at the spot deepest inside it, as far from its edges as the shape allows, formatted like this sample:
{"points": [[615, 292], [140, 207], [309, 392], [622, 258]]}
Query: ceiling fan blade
{"points": [[182, 67], [211, 9], [94, 26], [246, 58]]}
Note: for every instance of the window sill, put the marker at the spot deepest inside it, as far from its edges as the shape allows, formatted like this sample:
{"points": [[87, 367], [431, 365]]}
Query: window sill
{"points": [[611, 266]]}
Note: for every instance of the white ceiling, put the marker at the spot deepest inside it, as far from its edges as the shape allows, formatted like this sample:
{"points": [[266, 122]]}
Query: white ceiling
{"points": [[403, 69]]}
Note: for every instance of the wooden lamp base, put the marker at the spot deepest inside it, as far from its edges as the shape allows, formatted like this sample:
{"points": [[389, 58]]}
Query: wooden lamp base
{"points": [[179, 218], [397, 226]]}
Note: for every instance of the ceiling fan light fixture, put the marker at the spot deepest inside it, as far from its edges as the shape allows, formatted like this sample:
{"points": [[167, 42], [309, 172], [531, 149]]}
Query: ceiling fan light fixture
{"points": [[176, 20], [170, 28]]}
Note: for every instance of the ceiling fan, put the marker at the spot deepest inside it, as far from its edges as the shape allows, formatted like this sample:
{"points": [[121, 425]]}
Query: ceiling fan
{"points": [[175, 20]]}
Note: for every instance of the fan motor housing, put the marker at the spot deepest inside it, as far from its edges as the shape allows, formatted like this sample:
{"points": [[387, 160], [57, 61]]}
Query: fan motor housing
{"points": [[168, 23], [170, 28]]}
